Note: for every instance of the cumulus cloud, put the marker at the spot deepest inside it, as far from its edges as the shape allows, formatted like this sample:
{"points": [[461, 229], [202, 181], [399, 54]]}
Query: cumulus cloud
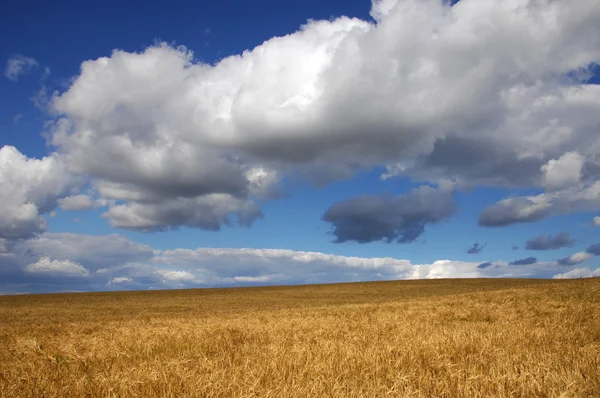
{"points": [[475, 249], [524, 261], [175, 129], [29, 188], [579, 273], [46, 265], [574, 259], [594, 249], [18, 65], [92, 252], [520, 209], [76, 202], [207, 212], [179, 276], [383, 217], [121, 279], [550, 242], [563, 172]]}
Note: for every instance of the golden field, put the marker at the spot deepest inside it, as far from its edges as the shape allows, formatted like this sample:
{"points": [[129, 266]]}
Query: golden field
{"points": [[442, 338]]}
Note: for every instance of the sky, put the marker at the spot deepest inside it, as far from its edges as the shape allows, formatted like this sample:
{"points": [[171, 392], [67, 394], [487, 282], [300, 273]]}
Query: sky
{"points": [[200, 144]]}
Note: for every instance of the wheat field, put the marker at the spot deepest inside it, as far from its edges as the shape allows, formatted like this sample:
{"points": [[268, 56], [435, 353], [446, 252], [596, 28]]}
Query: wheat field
{"points": [[442, 338]]}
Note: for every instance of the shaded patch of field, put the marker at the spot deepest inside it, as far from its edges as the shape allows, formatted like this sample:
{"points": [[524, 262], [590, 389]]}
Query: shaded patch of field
{"points": [[443, 338]]}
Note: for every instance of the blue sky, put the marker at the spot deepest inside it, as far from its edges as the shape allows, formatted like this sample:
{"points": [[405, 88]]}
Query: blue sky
{"points": [[395, 129]]}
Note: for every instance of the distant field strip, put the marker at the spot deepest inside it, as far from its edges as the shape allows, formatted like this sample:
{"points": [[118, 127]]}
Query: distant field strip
{"points": [[441, 338]]}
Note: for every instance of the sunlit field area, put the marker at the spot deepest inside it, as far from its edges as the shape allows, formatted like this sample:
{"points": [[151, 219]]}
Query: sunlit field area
{"points": [[443, 338]]}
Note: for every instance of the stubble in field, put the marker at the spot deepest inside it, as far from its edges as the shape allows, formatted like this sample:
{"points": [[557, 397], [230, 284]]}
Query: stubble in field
{"points": [[447, 338]]}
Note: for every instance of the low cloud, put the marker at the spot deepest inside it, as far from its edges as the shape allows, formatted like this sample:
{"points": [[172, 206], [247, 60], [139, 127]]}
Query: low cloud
{"points": [[549, 242], [207, 212], [563, 172], [121, 279], [30, 188], [91, 251], [46, 265], [574, 259], [521, 209], [578, 273], [386, 218], [179, 276], [68, 262], [475, 249], [594, 249], [524, 261], [76, 202]]}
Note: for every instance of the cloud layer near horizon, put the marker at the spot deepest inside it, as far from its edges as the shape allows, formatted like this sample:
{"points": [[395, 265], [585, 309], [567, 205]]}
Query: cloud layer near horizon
{"points": [[75, 262]]}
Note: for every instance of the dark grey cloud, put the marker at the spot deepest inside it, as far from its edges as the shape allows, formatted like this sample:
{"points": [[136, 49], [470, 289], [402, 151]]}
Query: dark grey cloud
{"points": [[479, 160], [476, 248], [564, 261], [484, 265], [524, 261], [209, 212], [576, 258], [522, 209], [399, 219], [510, 211], [515, 247], [594, 249], [549, 242]]}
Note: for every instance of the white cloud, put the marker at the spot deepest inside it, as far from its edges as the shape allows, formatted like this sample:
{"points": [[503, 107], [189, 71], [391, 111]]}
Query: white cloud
{"points": [[178, 276], [447, 269], [576, 258], [596, 221], [253, 279], [564, 172], [578, 273], [18, 65], [343, 95], [76, 202], [121, 279], [263, 182], [381, 8], [93, 252], [276, 266], [115, 262], [46, 265], [28, 189]]}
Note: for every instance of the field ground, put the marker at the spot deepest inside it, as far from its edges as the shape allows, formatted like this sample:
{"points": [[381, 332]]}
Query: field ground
{"points": [[443, 338]]}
